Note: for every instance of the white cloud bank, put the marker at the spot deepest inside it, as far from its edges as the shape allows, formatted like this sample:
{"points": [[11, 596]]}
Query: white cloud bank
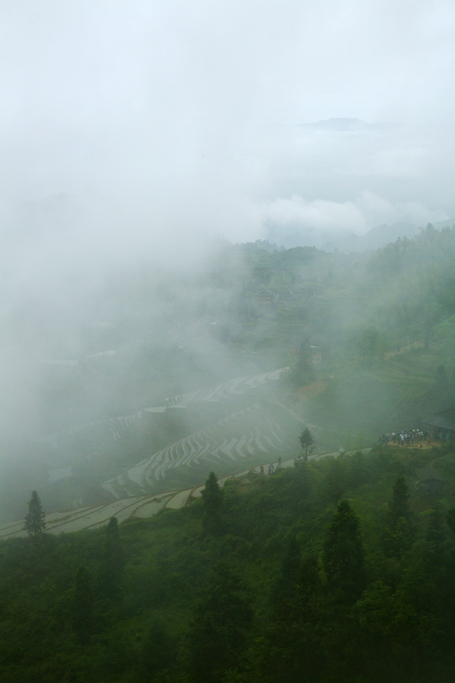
{"points": [[357, 216]]}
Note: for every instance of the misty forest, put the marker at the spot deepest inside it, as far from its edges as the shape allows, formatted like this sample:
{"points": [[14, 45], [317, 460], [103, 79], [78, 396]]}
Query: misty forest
{"points": [[243, 473], [227, 341]]}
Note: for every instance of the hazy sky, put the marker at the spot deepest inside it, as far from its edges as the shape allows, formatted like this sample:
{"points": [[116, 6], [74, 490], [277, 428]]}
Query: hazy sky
{"points": [[131, 130], [163, 120]]}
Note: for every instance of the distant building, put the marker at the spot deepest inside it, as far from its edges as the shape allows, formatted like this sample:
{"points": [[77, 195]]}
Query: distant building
{"points": [[430, 480], [442, 424]]}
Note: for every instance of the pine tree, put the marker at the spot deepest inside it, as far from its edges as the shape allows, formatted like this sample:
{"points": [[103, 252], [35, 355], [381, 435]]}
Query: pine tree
{"points": [[35, 523], [343, 555], [306, 441], [212, 497]]}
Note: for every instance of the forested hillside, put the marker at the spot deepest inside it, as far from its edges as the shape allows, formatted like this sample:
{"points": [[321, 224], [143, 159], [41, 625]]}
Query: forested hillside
{"points": [[337, 570], [362, 343]]}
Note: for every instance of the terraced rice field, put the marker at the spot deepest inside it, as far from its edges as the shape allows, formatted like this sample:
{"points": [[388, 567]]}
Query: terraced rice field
{"points": [[140, 507], [117, 427], [254, 433], [92, 517]]}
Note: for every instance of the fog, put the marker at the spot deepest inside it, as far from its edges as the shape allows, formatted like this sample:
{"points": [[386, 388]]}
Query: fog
{"points": [[136, 139], [164, 119]]}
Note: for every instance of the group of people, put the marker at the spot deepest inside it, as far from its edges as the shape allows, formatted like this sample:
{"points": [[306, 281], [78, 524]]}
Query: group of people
{"points": [[417, 436], [271, 468], [403, 438]]}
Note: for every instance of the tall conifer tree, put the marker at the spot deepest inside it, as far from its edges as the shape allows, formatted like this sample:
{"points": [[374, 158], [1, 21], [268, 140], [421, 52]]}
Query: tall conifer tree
{"points": [[212, 497], [35, 523], [343, 555], [398, 533]]}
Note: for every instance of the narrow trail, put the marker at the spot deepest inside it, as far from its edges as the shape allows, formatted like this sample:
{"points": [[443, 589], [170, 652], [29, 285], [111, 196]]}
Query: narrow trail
{"points": [[139, 507]]}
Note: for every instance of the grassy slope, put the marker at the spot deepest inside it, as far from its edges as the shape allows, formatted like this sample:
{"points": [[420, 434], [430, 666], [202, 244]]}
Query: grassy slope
{"points": [[370, 398]]}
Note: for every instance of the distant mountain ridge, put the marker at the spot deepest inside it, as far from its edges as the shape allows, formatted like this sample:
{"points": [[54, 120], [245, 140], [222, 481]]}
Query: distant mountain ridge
{"points": [[380, 236], [376, 238]]}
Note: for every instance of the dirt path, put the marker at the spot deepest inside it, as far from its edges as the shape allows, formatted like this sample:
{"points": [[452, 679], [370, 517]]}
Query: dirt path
{"points": [[136, 506]]}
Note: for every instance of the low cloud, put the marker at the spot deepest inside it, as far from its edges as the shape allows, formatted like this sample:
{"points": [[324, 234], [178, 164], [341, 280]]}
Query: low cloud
{"points": [[319, 214], [359, 216]]}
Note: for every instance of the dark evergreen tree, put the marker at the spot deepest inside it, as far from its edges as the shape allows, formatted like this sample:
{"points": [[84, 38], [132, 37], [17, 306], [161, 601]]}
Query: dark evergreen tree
{"points": [[217, 635], [35, 518], [212, 498], [306, 441], [82, 618], [343, 555], [398, 533]]}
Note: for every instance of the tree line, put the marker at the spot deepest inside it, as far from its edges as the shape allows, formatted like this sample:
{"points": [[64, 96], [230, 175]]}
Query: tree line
{"points": [[336, 570]]}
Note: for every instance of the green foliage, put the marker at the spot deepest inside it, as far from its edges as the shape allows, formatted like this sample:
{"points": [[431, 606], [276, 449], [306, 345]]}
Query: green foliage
{"points": [[113, 562], [212, 498], [83, 602], [450, 518], [306, 441], [288, 577], [343, 556], [35, 523], [399, 533], [293, 645], [320, 596], [217, 635], [158, 654], [334, 482]]}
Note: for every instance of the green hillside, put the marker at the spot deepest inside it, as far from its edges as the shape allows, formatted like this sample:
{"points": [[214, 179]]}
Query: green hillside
{"points": [[374, 330], [274, 579]]}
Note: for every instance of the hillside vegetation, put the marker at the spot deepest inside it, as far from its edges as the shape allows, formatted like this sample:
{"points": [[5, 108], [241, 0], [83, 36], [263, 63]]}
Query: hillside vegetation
{"points": [[337, 570]]}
